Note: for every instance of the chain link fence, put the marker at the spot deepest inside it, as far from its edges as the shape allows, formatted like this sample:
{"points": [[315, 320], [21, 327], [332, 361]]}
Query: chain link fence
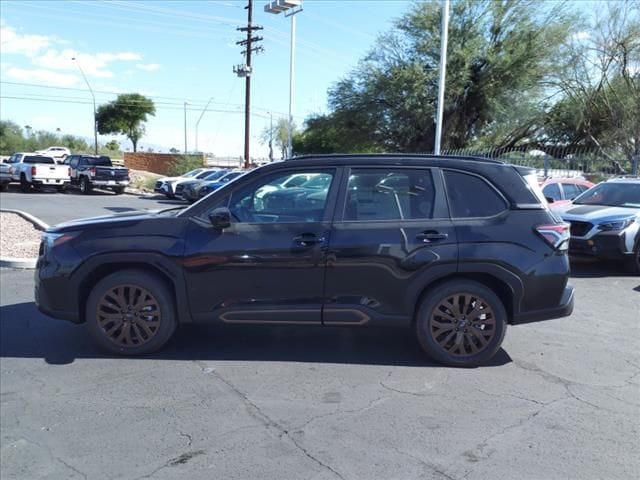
{"points": [[591, 163]]}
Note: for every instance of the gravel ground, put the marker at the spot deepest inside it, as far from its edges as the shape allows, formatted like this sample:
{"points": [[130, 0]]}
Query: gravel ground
{"points": [[18, 237]]}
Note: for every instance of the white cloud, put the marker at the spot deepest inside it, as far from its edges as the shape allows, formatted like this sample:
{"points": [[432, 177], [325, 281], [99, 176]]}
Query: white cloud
{"points": [[13, 42], [41, 75], [93, 65], [149, 67]]}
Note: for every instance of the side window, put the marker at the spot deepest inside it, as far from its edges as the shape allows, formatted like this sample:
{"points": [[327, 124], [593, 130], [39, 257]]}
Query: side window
{"points": [[571, 191], [270, 200], [552, 191], [74, 162], [471, 196], [401, 194]]}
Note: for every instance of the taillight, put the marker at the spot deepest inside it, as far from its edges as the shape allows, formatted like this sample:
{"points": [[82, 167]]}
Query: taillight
{"points": [[92, 171], [33, 171], [69, 172], [557, 235]]}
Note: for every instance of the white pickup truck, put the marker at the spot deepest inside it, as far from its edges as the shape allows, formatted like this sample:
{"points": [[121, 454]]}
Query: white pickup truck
{"points": [[33, 170]]}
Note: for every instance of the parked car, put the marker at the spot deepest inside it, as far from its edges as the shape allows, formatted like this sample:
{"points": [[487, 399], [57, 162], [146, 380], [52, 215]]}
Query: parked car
{"points": [[34, 170], [58, 153], [175, 188], [605, 222], [5, 176], [89, 171], [298, 197], [197, 191], [456, 250], [562, 190], [211, 175], [164, 185]]}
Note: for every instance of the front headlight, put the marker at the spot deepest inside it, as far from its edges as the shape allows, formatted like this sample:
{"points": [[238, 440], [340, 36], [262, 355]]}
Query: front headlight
{"points": [[617, 224], [50, 240]]}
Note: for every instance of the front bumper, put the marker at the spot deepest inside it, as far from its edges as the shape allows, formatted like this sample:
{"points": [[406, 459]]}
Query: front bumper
{"points": [[564, 309], [606, 245], [52, 292]]}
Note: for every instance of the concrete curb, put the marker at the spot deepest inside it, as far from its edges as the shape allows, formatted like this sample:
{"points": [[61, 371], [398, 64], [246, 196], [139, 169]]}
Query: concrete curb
{"points": [[39, 224], [22, 263]]}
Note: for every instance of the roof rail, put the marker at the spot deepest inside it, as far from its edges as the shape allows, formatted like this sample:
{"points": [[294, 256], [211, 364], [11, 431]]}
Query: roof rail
{"points": [[393, 155]]}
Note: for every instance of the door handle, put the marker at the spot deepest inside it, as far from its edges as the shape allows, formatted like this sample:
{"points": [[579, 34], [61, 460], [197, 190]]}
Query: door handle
{"points": [[431, 235], [307, 240]]}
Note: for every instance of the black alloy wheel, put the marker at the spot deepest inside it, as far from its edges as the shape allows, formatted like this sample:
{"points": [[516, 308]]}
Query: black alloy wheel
{"points": [[131, 312], [461, 323]]}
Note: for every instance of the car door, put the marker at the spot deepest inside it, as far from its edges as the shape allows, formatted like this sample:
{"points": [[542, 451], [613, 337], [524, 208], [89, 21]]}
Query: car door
{"points": [[391, 236], [268, 265]]}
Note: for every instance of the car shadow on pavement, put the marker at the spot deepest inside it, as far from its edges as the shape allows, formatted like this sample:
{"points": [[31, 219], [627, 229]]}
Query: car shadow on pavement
{"points": [[26, 333], [585, 268]]}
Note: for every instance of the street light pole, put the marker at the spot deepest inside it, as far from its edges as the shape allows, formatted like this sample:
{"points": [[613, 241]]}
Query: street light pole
{"points": [[198, 122], [95, 121], [185, 128], [444, 36], [293, 7], [270, 137]]}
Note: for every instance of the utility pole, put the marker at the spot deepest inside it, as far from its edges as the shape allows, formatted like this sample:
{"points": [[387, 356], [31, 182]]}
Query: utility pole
{"points": [[245, 71], [444, 36], [185, 128], [198, 122], [270, 137], [93, 97]]}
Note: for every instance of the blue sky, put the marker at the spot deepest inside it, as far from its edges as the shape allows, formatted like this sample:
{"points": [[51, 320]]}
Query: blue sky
{"points": [[175, 52]]}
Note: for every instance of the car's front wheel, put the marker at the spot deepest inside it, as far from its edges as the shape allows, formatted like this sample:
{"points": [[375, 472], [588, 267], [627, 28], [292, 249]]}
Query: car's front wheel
{"points": [[461, 323], [131, 312]]}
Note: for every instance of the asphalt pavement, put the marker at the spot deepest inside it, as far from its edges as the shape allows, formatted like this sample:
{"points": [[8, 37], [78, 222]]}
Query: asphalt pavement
{"points": [[52, 207]]}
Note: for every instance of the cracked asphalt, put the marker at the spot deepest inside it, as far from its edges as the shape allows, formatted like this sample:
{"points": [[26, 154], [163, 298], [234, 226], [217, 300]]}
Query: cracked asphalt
{"points": [[560, 401]]}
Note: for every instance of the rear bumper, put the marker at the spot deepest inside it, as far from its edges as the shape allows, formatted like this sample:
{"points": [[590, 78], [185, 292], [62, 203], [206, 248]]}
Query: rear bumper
{"points": [[563, 310], [110, 183], [50, 181]]}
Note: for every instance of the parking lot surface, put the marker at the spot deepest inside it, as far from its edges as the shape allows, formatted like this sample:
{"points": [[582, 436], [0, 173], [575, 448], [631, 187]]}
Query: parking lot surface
{"points": [[52, 207], [560, 401]]}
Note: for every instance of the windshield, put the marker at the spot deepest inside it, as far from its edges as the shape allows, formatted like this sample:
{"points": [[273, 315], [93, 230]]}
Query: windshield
{"points": [[318, 183], [230, 176], [612, 194], [193, 173], [214, 175], [205, 174]]}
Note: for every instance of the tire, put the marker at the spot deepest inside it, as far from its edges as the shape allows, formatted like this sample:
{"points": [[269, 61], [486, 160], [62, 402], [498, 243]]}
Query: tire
{"points": [[4, 187], [114, 313], [443, 319], [25, 186], [85, 186], [633, 264], [118, 190]]}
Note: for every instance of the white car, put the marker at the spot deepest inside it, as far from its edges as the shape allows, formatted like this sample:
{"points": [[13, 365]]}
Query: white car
{"points": [[167, 185], [58, 153]]}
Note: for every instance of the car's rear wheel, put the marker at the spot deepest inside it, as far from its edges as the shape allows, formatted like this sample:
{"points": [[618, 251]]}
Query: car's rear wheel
{"points": [[131, 312], [461, 323], [85, 186]]}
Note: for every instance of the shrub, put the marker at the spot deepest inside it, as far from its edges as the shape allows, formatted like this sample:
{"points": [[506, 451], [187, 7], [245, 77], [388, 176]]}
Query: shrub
{"points": [[183, 164]]}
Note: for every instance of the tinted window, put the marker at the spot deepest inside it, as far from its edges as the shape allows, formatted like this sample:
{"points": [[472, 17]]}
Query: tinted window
{"points": [[209, 175], [266, 201], [389, 195], [571, 191], [97, 161], [471, 196], [33, 159], [552, 191]]}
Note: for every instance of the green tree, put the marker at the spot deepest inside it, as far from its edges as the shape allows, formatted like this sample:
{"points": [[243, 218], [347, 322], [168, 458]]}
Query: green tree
{"points": [[500, 54], [11, 138], [278, 135], [125, 116], [600, 84]]}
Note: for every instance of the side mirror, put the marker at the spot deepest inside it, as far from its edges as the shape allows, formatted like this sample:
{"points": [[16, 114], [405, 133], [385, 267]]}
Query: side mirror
{"points": [[220, 218], [549, 199]]}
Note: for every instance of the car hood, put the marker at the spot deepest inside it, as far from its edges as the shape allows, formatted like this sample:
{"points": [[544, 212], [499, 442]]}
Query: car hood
{"points": [[591, 213], [110, 220]]}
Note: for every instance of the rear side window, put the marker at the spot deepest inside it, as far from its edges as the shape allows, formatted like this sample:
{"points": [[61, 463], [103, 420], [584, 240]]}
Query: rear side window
{"points": [[471, 196], [552, 191], [571, 190], [402, 194]]}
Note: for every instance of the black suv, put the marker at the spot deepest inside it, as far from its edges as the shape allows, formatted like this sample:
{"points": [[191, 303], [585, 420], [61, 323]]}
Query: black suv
{"points": [[453, 247]]}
